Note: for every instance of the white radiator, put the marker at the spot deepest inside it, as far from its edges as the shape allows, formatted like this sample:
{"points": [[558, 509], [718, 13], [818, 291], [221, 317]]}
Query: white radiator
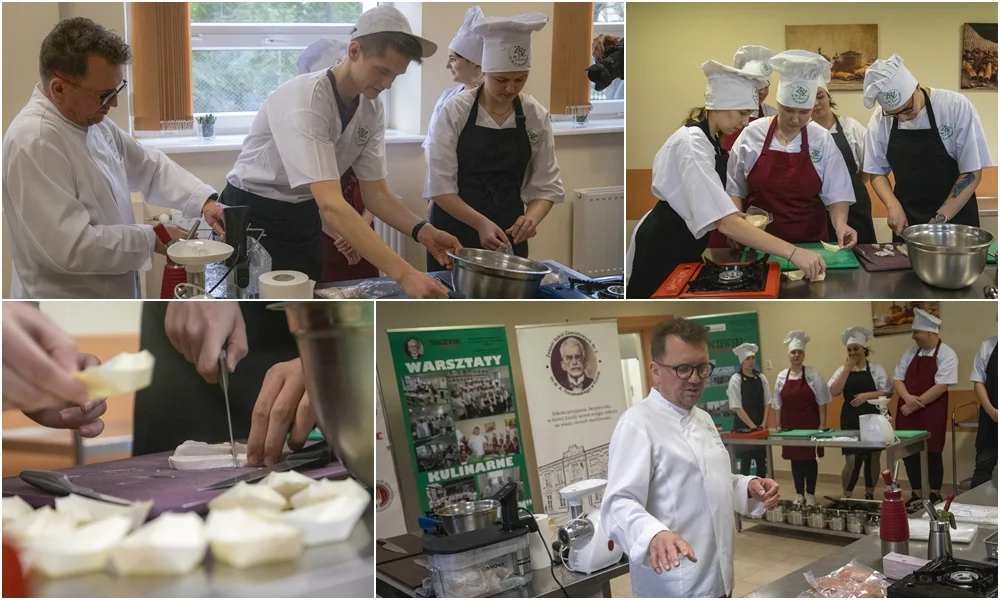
{"points": [[599, 231], [394, 239]]}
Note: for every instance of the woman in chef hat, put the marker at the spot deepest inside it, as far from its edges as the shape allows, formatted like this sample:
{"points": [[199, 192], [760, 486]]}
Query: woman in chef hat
{"points": [[754, 61], [936, 155], [750, 398], [492, 170], [859, 381], [800, 398], [791, 167], [340, 261], [689, 174], [849, 135]]}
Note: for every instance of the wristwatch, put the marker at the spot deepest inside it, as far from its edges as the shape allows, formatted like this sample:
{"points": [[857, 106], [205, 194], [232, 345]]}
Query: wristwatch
{"points": [[940, 219]]}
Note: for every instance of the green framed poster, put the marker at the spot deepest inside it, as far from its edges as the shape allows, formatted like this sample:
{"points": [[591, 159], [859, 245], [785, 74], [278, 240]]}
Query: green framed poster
{"points": [[460, 412], [725, 333]]}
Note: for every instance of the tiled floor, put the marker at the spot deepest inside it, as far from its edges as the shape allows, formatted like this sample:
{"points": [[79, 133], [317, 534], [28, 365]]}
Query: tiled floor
{"points": [[787, 550]]}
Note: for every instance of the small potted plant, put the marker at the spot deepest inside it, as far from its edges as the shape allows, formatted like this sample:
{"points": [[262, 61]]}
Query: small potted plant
{"points": [[206, 126]]}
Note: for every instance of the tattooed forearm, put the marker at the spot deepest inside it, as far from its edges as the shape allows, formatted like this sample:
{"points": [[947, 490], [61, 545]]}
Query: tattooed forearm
{"points": [[965, 181]]}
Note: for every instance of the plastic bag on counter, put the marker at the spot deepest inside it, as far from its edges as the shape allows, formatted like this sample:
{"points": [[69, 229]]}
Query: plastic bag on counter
{"points": [[853, 580], [366, 290]]}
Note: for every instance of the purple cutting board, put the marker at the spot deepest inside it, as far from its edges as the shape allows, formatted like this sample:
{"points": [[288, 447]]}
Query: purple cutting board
{"points": [[874, 264], [149, 477]]}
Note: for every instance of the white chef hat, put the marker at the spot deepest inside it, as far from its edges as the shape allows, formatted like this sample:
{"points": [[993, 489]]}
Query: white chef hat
{"points": [[796, 340], [467, 43], [925, 321], [889, 83], [507, 41], [754, 61], [799, 71], [856, 335], [382, 19], [321, 54], [744, 350], [729, 88], [822, 82]]}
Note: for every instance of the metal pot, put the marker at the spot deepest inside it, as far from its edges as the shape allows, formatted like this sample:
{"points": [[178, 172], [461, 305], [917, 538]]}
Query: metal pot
{"points": [[795, 516], [871, 525], [836, 520], [816, 519], [776, 514], [946, 255], [463, 517], [337, 345], [856, 521], [484, 274]]}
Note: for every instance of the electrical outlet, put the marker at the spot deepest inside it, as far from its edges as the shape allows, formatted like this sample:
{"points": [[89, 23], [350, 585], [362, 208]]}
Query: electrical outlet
{"points": [[767, 365]]}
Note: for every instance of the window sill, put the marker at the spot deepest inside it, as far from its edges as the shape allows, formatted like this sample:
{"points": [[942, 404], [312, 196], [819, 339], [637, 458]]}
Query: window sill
{"points": [[599, 125]]}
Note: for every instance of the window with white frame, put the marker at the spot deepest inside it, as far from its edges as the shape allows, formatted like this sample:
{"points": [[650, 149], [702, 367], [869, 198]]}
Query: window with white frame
{"points": [[242, 51], [609, 19]]}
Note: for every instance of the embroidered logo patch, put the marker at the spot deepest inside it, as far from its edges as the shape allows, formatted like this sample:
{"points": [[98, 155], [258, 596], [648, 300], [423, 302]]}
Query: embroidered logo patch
{"points": [[946, 131], [363, 135], [518, 55], [756, 94], [891, 98], [533, 137], [815, 154], [765, 69], [800, 94]]}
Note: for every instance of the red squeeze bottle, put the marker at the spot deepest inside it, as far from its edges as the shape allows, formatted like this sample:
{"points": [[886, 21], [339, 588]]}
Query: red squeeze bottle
{"points": [[14, 583], [894, 525], [173, 274]]}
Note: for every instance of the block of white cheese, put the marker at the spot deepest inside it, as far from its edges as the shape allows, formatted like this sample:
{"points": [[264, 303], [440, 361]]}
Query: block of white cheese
{"points": [[85, 510], [244, 495], [125, 373], [196, 456], [82, 550], [241, 539], [14, 508], [329, 521], [171, 544], [287, 483], [41, 523], [325, 490]]}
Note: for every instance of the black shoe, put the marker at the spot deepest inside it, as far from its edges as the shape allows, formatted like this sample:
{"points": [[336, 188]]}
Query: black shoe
{"points": [[935, 498], [915, 501], [869, 496]]}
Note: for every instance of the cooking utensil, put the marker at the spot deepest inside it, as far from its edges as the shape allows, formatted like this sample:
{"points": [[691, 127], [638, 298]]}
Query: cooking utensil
{"points": [[315, 455], [991, 547], [193, 232], [482, 274], [931, 511], [224, 382], [938, 540], [59, 483], [946, 255], [463, 517], [387, 545], [816, 519], [775, 515], [795, 516], [856, 521], [837, 522], [871, 524]]}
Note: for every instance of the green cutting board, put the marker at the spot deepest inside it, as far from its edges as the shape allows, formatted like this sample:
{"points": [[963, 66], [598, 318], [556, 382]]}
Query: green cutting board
{"points": [[797, 433], [992, 258], [906, 434], [842, 259], [806, 434]]}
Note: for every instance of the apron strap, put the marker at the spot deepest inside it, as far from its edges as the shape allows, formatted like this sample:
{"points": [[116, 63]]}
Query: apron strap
{"points": [[474, 113]]}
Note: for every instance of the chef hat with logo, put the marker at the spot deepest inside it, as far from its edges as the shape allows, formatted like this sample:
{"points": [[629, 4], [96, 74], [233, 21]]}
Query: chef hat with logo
{"points": [[321, 54], [925, 321], [507, 41], [796, 340], [754, 61], [387, 19], [799, 71], [745, 350], [729, 88], [889, 83], [856, 335], [467, 43]]}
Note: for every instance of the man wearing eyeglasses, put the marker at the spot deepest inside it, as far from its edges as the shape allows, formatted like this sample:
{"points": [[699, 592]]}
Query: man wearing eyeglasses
{"points": [[68, 175], [933, 143], [671, 492]]}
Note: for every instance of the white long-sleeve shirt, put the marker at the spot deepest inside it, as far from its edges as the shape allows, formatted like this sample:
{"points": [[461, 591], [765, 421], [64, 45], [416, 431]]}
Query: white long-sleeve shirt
{"points": [[68, 208]]}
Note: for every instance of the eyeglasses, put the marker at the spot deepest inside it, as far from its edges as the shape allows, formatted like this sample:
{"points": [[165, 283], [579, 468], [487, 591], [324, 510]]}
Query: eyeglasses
{"points": [[102, 98], [686, 371], [906, 110]]}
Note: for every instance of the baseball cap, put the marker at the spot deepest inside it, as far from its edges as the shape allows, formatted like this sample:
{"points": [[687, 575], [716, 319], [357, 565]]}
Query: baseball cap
{"points": [[384, 19]]}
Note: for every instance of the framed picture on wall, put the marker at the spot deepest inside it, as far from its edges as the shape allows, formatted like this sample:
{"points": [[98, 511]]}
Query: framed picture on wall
{"points": [[849, 48], [979, 56], [889, 318]]}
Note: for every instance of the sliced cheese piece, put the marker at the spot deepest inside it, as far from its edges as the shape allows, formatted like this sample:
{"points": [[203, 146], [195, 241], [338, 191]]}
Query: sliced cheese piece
{"points": [[202, 463], [14, 508], [831, 247], [244, 495], [330, 521], [85, 510], [240, 539], [42, 523], [326, 490], [800, 275], [171, 544], [83, 550], [287, 483], [125, 373], [192, 448]]}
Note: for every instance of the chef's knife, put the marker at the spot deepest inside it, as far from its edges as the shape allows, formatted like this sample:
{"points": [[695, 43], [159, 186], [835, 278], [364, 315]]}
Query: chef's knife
{"points": [[59, 483], [387, 545], [318, 454], [224, 380]]}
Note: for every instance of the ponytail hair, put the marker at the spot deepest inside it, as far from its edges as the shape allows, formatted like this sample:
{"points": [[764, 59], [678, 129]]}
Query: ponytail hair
{"points": [[696, 115]]}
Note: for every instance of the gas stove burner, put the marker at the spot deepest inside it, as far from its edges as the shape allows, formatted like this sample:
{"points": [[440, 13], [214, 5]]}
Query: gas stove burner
{"points": [[748, 277], [729, 277], [963, 578], [608, 288], [948, 577], [616, 291]]}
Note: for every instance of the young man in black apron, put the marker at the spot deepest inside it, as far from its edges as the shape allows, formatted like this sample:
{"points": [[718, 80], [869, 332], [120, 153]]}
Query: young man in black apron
{"points": [[750, 397], [937, 161], [492, 170], [289, 169], [984, 378]]}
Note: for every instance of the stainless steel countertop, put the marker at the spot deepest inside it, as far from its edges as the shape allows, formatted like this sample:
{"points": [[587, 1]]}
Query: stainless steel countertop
{"points": [[776, 441], [868, 551], [341, 570], [859, 284]]}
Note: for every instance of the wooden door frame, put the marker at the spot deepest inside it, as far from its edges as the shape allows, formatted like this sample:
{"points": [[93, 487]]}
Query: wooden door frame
{"points": [[644, 326]]}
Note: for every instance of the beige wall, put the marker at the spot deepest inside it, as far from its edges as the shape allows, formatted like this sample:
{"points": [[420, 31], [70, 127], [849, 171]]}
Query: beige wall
{"points": [[966, 324], [672, 40]]}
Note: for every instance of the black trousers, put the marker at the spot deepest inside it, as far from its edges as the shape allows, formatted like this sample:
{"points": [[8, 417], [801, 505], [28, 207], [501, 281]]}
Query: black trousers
{"points": [[935, 471], [804, 474], [986, 462], [756, 454], [852, 469]]}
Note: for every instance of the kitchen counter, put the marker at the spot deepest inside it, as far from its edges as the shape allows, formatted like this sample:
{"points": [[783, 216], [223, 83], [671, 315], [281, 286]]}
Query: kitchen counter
{"points": [[341, 570], [859, 283], [868, 551]]}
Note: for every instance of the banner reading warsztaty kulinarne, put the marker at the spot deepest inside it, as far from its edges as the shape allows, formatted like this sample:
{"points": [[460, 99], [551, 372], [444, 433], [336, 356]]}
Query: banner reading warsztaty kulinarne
{"points": [[575, 392], [726, 332], [460, 413], [388, 504]]}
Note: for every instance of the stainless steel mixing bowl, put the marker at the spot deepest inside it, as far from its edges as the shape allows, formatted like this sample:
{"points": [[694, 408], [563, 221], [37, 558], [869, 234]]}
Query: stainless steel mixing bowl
{"points": [[947, 256], [463, 517], [484, 274]]}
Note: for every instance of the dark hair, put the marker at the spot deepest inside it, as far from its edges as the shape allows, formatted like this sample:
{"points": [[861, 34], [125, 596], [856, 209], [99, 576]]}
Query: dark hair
{"points": [[602, 46], [688, 331], [376, 44], [66, 48]]}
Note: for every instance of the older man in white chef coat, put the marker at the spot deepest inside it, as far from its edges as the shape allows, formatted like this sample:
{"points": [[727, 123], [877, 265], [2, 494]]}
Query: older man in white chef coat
{"points": [[671, 495], [68, 174]]}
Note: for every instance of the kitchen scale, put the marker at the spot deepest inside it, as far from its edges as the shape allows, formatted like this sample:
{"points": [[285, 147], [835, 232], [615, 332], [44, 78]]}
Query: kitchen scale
{"points": [[757, 279]]}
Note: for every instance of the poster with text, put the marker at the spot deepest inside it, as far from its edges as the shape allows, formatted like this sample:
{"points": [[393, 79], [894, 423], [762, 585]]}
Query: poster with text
{"points": [[725, 333], [460, 413], [575, 393], [388, 504]]}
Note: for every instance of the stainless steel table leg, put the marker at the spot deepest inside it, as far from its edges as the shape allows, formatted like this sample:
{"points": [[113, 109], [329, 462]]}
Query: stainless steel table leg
{"points": [[606, 589], [925, 485]]}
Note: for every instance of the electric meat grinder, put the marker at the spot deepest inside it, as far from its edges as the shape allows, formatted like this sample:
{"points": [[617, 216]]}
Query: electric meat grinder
{"points": [[586, 547]]}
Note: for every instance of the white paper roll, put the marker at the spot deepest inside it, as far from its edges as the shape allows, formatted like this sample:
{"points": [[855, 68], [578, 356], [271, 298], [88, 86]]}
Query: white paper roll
{"points": [[539, 557], [286, 285]]}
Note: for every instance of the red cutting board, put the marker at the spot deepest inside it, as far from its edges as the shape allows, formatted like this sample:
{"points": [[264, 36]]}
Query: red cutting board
{"points": [[150, 477]]}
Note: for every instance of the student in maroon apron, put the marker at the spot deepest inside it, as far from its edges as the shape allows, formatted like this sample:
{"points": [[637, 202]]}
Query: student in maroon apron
{"points": [[921, 380], [492, 169], [800, 398], [791, 167], [984, 378], [935, 155], [689, 181], [859, 381], [749, 397]]}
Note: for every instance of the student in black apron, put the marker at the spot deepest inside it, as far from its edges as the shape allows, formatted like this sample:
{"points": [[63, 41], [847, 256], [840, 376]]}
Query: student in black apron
{"points": [[690, 186], [984, 377], [749, 396]]}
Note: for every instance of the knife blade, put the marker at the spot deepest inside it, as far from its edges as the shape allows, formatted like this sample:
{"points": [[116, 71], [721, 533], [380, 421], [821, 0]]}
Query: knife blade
{"points": [[318, 454], [59, 483], [224, 381], [387, 545]]}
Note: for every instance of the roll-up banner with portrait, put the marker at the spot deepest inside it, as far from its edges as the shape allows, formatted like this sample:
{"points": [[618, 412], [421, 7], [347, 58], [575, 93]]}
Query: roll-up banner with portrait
{"points": [[726, 332], [575, 392], [460, 413]]}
